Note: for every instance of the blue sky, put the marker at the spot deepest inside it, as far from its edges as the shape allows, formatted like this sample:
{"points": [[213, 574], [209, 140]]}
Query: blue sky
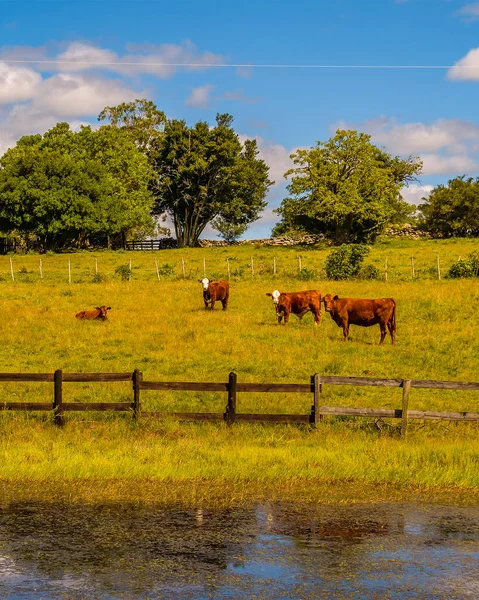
{"points": [[427, 112]]}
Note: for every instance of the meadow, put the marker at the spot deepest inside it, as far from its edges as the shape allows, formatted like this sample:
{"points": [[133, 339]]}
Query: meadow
{"points": [[161, 328]]}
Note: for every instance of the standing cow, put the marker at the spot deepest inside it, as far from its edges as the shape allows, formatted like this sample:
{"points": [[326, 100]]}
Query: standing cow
{"points": [[215, 290], [298, 303], [357, 311]]}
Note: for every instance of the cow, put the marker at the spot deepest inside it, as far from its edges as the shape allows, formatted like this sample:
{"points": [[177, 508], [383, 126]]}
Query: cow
{"points": [[97, 314], [298, 303], [363, 312], [215, 290]]}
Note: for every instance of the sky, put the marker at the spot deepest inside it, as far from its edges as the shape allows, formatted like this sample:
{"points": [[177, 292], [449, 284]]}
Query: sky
{"points": [[289, 73]]}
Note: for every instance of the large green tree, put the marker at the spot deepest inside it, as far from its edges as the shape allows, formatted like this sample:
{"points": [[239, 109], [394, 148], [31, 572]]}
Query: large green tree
{"points": [[346, 188], [65, 186], [452, 209], [205, 174]]}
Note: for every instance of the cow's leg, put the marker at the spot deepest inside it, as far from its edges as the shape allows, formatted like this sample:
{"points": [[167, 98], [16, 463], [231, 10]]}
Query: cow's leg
{"points": [[392, 331], [280, 317], [383, 332], [213, 300], [286, 317], [224, 302], [345, 330], [317, 316]]}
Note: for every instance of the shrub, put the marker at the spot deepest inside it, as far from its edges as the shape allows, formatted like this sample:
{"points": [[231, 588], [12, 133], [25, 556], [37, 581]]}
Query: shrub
{"points": [[468, 267], [306, 274], [99, 278], [167, 269], [345, 261], [369, 272], [124, 272]]}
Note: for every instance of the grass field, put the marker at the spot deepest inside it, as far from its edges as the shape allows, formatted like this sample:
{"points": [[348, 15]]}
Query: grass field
{"points": [[161, 328]]}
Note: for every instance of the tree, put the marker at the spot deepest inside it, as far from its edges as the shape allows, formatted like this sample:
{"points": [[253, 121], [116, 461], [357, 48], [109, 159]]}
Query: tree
{"points": [[204, 174], [346, 189], [452, 209], [141, 119], [66, 186]]}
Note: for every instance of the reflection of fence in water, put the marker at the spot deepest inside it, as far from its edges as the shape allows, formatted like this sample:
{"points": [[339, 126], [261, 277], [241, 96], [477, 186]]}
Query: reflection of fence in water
{"points": [[232, 388]]}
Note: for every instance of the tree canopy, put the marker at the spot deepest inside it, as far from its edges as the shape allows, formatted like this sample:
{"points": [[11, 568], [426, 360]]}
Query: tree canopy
{"points": [[346, 188], [205, 174], [65, 186], [452, 209]]}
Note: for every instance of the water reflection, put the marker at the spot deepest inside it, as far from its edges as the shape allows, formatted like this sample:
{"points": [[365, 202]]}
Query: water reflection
{"points": [[277, 551]]}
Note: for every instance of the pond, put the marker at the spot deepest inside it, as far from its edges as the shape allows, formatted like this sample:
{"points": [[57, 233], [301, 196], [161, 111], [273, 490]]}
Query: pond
{"points": [[265, 551]]}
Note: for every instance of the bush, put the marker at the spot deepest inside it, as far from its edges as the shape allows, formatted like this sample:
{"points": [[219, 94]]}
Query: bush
{"points": [[99, 278], [468, 267], [124, 272], [369, 272], [306, 274], [346, 261], [167, 269]]}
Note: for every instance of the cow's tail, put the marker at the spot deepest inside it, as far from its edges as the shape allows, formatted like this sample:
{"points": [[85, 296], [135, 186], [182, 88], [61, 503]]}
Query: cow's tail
{"points": [[392, 318]]}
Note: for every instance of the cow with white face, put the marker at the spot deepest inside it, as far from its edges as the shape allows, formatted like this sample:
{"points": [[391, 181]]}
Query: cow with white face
{"points": [[298, 303], [215, 290]]}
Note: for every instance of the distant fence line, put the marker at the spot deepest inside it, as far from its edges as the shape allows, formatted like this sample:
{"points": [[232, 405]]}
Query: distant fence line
{"points": [[300, 269], [232, 388]]}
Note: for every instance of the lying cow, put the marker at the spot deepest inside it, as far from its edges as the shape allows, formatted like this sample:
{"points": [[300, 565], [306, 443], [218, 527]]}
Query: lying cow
{"points": [[97, 314], [215, 290], [357, 311], [298, 303]]}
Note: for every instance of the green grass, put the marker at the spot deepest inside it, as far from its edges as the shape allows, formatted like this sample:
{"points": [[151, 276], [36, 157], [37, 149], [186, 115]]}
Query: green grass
{"points": [[161, 328]]}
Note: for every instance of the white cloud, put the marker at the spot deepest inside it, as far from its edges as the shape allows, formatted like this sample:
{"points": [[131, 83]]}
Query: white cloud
{"points": [[161, 60], [467, 68], [199, 96], [239, 95], [17, 83], [415, 193], [470, 12], [276, 156], [436, 164], [76, 94], [78, 54], [446, 147]]}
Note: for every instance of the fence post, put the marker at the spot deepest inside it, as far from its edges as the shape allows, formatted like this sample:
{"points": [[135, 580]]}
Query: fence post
{"points": [[317, 389], [183, 267], [41, 270], [58, 397], [438, 267], [69, 272], [204, 268], [231, 406], [252, 267], [228, 265], [413, 274], [386, 270], [137, 378], [129, 271], [157, 270], [406, 387], [11, 269], [274, 265]]}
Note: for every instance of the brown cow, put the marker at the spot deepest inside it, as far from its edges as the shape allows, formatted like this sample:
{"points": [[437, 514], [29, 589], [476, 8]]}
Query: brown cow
{"points": [[298, 303], [215, 290], [357, 311], [98, 314]]}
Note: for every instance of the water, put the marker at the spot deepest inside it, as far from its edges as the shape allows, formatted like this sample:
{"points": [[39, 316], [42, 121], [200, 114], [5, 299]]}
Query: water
{"points": [[263, 552]]}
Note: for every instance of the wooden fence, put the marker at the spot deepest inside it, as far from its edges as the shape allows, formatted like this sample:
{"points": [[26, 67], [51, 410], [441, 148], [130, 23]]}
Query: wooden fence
{"points": [[232, 388]]}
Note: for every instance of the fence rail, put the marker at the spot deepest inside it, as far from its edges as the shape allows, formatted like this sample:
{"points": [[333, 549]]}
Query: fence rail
{"points": [[232, 388]]}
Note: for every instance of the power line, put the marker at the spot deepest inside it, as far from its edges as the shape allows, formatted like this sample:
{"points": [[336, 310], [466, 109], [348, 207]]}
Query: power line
{"points": [[230, 65]]}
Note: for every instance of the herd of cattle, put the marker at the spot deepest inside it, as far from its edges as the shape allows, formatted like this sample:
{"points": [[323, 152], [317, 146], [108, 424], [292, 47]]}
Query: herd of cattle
{"points": [[343, 311]]}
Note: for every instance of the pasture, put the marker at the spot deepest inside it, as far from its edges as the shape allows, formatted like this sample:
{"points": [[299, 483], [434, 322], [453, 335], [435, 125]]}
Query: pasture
{"points": [[162, 328]]}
